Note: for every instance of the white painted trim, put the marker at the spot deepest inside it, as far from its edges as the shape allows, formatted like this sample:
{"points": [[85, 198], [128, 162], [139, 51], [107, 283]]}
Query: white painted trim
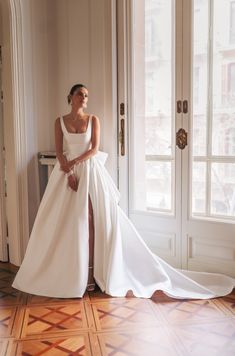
{"points": [[123, 34], [113, 44], [3, 224], [18, 245]]}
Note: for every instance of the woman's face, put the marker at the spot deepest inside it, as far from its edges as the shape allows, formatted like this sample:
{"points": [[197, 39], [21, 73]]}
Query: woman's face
{"points": [[80, 98]]}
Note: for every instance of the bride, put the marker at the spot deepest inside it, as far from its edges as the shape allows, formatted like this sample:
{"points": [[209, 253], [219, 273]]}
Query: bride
{"points": [[81, 236]]}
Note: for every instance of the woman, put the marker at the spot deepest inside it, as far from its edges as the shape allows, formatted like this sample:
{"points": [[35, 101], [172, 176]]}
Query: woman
{"points": [[80, 232]]}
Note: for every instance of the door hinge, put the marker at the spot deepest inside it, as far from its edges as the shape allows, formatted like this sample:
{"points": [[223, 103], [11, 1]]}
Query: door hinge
{"points": [[179, 106], [182, 106], [185, 106]]}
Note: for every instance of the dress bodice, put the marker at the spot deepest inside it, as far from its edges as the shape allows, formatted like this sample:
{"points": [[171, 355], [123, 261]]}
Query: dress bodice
{"points": [[76, 143]]}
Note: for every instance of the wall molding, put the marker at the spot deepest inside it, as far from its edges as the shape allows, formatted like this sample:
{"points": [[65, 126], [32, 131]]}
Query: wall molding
{"points": [[19, 244], [212, 255]]}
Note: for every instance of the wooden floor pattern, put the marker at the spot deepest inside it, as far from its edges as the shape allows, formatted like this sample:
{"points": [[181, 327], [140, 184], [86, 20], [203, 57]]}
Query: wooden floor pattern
{"points": [[99, 325]]}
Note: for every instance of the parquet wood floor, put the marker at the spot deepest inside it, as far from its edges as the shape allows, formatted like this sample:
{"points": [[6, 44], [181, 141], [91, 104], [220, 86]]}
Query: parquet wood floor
{"points": [[98, 325]]}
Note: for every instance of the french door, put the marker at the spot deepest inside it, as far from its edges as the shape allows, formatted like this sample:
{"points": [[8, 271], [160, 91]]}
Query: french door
{"points": [[176, 94]]}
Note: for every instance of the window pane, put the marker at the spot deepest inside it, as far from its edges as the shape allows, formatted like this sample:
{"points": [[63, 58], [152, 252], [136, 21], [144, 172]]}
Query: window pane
{"points": [[152, 152], [200, 76], [158, 135], [223, 189], [199, 188], [232, 22], [158, 76], [213, 119], [223, 126], [158, 185]]}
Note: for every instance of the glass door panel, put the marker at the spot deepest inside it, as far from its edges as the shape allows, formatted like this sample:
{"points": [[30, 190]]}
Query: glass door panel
{"points": [[154, 165], [213, 118], [200, 76], [223, 189], [223, 119], [152, 138]]}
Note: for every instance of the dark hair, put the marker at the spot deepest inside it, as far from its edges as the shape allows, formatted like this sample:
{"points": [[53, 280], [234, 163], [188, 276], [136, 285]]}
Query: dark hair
{"points": [[74, 89]]}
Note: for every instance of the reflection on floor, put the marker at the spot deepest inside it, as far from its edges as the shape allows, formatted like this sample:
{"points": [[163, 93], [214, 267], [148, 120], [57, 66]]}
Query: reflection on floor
{"points": [[101, 325]]}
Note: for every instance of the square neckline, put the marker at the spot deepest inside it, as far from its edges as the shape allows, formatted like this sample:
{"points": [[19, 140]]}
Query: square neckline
{"points": [[76, 133]]}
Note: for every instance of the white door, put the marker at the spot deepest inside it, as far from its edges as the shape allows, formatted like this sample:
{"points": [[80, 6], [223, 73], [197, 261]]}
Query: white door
{"points": [[181, 199], [208, 219]]}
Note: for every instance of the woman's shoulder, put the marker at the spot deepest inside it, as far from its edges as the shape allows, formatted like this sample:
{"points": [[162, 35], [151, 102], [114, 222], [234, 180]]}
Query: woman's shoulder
{"points": [[62, 117], [57, 121], [94, 118]]}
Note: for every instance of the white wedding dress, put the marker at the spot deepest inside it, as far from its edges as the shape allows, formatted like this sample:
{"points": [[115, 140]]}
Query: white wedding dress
{"points": [[56, 260]]}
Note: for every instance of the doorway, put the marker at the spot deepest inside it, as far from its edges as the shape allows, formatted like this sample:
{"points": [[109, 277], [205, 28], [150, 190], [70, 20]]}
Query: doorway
{"points": [[177, 128]]}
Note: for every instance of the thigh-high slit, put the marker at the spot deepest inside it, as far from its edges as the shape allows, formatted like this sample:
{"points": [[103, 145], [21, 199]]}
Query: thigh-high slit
{"points": [[91, 243]]}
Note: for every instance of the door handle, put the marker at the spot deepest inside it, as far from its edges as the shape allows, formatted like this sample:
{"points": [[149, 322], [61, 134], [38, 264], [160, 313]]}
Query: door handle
{"points": [[181, 138], [122, 136]]}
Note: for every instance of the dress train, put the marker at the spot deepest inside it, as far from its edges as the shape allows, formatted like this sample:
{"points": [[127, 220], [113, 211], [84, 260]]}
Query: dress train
{"points": [[56, 259]]}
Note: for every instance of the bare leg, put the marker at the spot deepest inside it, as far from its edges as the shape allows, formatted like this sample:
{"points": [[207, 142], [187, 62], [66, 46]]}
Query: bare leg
{"points": [[91, 281]]}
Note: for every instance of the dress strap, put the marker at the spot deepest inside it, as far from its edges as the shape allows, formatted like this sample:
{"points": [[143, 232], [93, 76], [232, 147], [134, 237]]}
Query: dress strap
{"points": [[90, 123], [63, 125]]}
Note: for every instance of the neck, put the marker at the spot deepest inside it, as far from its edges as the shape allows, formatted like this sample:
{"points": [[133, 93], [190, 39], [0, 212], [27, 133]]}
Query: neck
{"points": [[77, 113]]}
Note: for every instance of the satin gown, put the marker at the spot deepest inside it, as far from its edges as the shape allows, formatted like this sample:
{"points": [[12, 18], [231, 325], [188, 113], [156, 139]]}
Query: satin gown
{"points": [[56, 259]]}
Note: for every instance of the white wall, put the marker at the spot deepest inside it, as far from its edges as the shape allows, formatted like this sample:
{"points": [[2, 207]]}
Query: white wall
{"points": [[59, 42], [66, 42], [71, 43]]}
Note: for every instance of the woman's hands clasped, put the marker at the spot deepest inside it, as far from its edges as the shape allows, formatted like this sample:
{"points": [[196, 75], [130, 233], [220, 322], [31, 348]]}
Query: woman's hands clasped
{"points": [[73, 182], [67, 167]]}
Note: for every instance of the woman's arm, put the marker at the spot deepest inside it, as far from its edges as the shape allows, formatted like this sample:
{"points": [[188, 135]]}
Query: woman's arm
{"points": [[95, 142], [59, 147], [64, 164]]}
